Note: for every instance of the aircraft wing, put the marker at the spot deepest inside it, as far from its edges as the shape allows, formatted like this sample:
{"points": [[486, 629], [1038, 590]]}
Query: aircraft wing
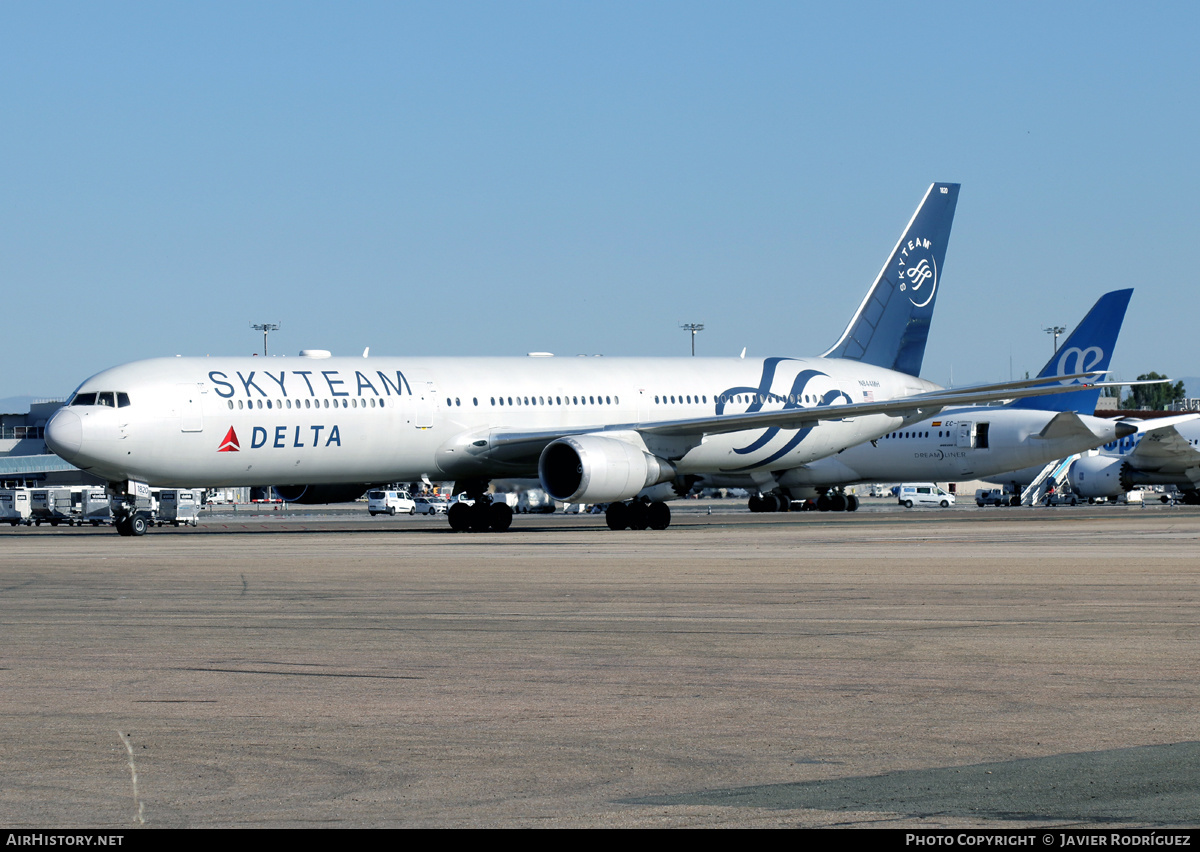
{"points": [[1066, 425], [521, 446], [1162, 449]]}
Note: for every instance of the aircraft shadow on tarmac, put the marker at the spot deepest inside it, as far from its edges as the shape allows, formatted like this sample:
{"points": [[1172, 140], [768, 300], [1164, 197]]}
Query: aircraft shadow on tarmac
{"points": [[1147, 785]]}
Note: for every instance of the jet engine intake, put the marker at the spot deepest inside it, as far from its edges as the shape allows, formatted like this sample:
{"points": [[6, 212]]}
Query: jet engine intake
{"points": [[598, 469]]}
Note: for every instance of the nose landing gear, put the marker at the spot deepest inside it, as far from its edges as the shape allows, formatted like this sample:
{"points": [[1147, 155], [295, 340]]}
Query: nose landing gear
{"points": [[131, 507]]}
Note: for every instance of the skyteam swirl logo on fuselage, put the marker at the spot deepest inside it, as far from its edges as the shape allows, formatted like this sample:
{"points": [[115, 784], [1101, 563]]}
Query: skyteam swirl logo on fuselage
{"points": [[917, 270], [792, 400]]}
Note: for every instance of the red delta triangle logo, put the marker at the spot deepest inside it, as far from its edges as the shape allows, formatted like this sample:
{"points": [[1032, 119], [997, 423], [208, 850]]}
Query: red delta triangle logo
{"points": [[230, 444]]}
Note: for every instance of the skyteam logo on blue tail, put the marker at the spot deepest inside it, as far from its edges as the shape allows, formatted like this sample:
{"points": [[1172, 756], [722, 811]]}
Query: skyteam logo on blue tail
{"points": [[1076, 360], [916, 267]]}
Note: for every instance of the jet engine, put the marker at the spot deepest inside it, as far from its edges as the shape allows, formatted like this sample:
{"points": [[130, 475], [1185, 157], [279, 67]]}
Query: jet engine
{"points": [[1099, 476], [320, 493], [598, 469]]}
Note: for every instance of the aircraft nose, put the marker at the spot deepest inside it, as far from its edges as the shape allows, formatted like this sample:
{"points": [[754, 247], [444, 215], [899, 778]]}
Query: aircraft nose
{"points": [[64, 434]]}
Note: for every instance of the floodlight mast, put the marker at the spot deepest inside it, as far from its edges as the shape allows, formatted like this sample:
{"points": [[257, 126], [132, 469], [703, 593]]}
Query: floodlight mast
{"points": [[266, 328], [693, 327], [1056, 330]]}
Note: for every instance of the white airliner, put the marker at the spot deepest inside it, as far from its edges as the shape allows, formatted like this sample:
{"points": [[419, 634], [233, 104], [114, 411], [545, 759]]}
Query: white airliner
{"points": [[1163, 451], [980, 441], [593, 430]]}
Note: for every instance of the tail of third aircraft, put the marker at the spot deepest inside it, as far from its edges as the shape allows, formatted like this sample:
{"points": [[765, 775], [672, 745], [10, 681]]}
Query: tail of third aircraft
{"points": [[1089, 347], [890, 327]]}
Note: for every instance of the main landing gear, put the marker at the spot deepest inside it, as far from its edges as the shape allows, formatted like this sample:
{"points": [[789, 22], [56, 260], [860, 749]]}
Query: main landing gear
{"points": [[830, 501], [638, 515], [836, 501], [770, 503], [483, 515]]}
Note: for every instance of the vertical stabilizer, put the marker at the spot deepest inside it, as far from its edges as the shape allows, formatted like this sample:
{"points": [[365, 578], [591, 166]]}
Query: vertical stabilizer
{"points": [[1089, 347], [890, 327]]}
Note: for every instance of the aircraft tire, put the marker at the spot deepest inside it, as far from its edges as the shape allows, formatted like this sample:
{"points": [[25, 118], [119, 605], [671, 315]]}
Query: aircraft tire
{"points": [[851, 503], [639, 515], [659, 514], [123, 527], [617, 516], [770, 503], [459, 517], [755, 504], [837, 503], [480, 521], [824, 503], [137, 525], [500, 516]]}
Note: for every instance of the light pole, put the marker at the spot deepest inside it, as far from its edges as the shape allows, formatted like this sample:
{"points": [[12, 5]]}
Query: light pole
{"points": [[693, 327], [1056, 330], [266, 328]]}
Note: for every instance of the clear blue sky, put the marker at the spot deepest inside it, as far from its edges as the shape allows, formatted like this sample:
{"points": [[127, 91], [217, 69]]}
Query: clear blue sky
{"points": [[505, 177]]}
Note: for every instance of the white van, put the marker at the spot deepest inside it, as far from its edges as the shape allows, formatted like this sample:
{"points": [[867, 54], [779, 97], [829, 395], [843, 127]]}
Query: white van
{"points": [[924, 494], [390, 503]]}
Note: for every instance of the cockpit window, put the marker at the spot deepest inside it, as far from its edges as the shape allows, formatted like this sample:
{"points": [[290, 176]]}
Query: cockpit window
{"points": [[110, 398]]}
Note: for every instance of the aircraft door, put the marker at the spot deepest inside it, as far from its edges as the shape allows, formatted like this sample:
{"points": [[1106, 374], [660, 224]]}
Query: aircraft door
{"points": [[191, 418], [966, 434], [424, 403]]}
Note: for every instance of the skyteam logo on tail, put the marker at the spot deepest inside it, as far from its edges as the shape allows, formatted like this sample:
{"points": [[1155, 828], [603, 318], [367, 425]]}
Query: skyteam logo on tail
{"points": [[1076, 360], [916, 268]]}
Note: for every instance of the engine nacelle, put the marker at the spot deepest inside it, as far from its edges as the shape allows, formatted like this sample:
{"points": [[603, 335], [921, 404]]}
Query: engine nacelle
{"points": [[1098, 476], [598, 469], [320, 493]]}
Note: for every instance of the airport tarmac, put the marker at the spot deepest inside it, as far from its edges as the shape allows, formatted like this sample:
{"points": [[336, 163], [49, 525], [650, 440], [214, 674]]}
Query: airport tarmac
{"points": [[887, 668]]}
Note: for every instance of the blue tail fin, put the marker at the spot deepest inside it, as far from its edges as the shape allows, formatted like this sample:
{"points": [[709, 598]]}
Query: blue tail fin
{"points": [[1089, 347], [890, 327]]}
